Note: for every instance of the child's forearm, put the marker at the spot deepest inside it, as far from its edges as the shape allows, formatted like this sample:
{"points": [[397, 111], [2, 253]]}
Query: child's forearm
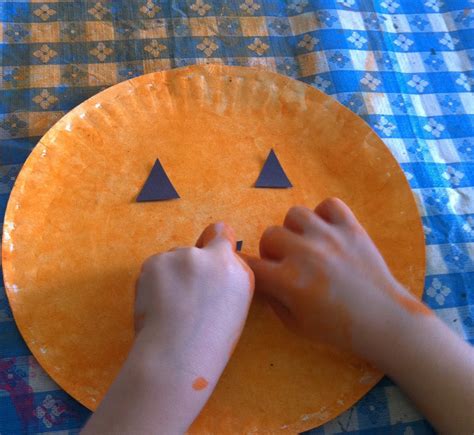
{"points": [[435, 368], [190, 309], [148, 396]]}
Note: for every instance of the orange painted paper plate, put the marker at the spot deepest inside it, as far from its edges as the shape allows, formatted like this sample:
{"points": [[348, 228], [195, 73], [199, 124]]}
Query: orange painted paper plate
{"points": [[74, 236]]}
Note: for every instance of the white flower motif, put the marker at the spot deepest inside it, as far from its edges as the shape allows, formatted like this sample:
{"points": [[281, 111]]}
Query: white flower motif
{"points": [[48, 402], [464, 81], [434, 127], [390, 5], [258, 46], [101, 51], [208, 46], [154, 48], [448, 41], [385, 126], [321, 83], [200, 7], [427, 230], [357, 39], [453, 176], [98, 11], [250, 6], [434, 4], [150, 9], [308, 42], [56, 410], [418, 83], [346, 3], [469, 226], [39, 412], [438, 291], [49, 411], [44, 12], [409, 175], [45, 53], [45, 99], [298, 5], [403, 42], [370, 81]]}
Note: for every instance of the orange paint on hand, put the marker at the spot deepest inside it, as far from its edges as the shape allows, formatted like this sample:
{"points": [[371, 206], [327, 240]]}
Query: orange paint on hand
{"points": [[243, 260], [210, 233], [207, 235], [139, 322], [409, 303], [200, 383], [233, 346], [335, 322]]}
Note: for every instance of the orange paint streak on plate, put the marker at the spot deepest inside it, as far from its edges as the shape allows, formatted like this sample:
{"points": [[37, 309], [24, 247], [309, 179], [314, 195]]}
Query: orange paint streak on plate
{"points": [[74, 237]]}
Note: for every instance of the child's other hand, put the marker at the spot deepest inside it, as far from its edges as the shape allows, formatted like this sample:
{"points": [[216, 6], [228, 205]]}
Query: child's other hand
{"points": [[326, 280], [191, 305]]}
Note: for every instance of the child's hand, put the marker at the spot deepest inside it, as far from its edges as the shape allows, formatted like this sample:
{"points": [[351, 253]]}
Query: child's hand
{"points": [[190, 308], [192, 303], [326, 279]]}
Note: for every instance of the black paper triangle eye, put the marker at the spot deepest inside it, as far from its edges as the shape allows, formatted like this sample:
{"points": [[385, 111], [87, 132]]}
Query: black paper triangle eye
{"points": [[272, 174], [157, 186]]}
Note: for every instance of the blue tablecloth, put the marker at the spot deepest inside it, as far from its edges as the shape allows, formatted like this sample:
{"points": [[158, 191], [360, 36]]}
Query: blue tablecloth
{"points": [[405, 66]]}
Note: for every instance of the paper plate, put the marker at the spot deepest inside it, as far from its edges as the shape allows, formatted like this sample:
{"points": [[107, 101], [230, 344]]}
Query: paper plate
{"points": [[75, 238]]}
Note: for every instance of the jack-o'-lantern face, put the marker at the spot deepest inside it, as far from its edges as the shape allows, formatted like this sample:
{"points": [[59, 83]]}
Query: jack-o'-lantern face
{"points": [[75, 236]]}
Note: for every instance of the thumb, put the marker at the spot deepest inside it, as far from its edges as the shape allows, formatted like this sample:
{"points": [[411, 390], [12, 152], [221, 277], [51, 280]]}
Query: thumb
{"points": [[217, 236], [269, 279]]}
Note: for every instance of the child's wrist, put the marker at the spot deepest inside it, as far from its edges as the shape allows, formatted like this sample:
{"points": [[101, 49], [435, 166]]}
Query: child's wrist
{"points": [[396, 338], [382, 334]]}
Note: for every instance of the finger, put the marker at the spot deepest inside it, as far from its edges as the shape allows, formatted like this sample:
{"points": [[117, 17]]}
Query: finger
{"points": [[139, 309], [246, 257], [302, 220], [279, 242], [217, 236], [138, 322], [149, 263], [269, 280], [178, 249], [336, 212], [283, 313]]}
